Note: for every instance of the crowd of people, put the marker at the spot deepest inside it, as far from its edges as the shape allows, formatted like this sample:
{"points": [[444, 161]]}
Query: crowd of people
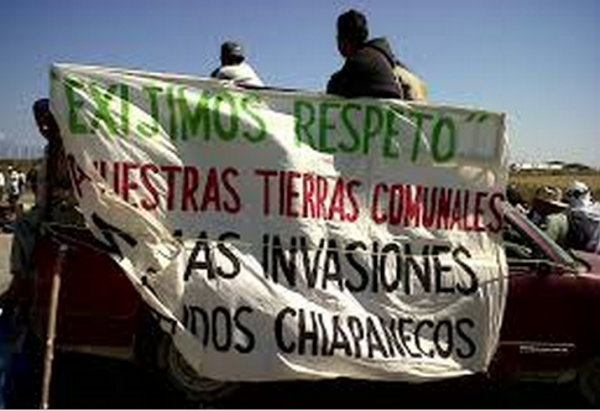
{"points": [[371, 69], [572, 218]]}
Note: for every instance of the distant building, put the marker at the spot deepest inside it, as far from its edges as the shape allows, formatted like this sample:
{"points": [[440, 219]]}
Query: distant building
{"points": [[552, 166], [543, 166]]}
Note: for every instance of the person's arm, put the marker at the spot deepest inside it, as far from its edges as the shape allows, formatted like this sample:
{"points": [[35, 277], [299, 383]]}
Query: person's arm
{"points": [[333, 85], [347, 82]]}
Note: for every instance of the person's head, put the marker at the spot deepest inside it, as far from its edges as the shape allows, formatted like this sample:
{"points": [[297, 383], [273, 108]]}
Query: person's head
{"points": [[231, 53], [513, 195], [548, 200], [44, 119], [352, 32], [578, 194]]}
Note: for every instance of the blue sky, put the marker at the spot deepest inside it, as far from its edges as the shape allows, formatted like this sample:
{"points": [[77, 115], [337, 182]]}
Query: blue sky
{"points": [[536, 60]]}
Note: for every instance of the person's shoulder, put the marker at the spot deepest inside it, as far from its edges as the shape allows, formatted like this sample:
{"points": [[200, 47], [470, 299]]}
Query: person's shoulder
{"points": [[587, 209], [334, 85], [242, 74], [246, 68], [592, 212], [382, 46], [365, 52], [227, 72], [372, 58], [557, 217]]}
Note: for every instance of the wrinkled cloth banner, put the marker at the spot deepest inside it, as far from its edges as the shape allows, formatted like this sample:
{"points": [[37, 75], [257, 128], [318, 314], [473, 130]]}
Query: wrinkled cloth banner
{"points": [[295, 235]]}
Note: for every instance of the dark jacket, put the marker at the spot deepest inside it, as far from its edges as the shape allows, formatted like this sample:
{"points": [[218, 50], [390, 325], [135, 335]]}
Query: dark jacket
{"points": [[367, 73]]}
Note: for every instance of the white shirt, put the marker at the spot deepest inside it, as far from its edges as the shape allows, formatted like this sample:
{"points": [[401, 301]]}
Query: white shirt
{"points": [[13, 183], [240, 74]]}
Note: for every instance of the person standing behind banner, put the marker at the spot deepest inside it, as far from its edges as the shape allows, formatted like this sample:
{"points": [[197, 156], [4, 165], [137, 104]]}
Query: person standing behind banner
{"points": [[234, 67], [584, 218], [371, 69], [367, 71]]}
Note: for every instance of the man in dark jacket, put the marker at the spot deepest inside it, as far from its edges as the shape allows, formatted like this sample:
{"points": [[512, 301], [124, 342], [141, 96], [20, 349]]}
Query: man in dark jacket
{"points": [[368, 70]]}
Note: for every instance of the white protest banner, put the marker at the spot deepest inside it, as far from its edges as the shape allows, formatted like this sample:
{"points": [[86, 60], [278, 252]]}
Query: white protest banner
{"points": [[295, 235]]}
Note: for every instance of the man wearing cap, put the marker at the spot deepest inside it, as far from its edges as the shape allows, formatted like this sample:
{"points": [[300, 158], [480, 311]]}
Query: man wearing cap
{"points": [[234, 67], [584, 218], [549, 213]]}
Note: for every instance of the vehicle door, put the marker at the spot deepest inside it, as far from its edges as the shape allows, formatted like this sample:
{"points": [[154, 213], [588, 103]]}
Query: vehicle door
{"points": [[546, 323]]}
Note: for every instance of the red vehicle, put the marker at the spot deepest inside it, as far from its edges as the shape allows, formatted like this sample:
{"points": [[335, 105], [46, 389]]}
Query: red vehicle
{"points": [[550, 330]]}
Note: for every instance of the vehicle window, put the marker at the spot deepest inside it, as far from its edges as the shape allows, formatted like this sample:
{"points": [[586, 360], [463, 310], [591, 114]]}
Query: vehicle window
{"points": [[564, 257], [522, 250]]}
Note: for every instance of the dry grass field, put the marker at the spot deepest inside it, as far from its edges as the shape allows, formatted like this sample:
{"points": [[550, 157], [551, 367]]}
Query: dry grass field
{"points": [[528, 182]]}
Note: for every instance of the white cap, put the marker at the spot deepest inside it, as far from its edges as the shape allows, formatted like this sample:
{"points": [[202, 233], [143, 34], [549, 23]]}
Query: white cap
{"points": [[578, 194]]}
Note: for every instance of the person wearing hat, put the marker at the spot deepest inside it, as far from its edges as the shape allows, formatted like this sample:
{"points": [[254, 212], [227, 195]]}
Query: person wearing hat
{"points": [[234, 67], [549, 213], [371, 69], [578, 195], [584, 218]]}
